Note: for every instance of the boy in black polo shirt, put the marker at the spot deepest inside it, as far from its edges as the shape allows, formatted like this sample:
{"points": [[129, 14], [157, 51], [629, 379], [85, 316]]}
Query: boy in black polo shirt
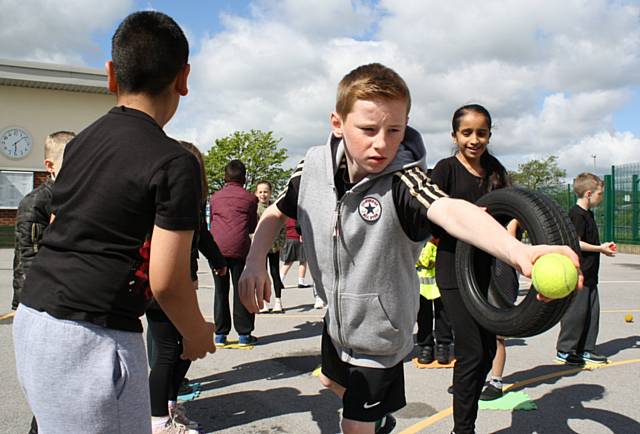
{"points": [[79, 350], [579, 326]]}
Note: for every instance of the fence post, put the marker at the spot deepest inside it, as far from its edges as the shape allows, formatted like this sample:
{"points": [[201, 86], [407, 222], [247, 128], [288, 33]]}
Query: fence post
{"points": [[635, 208], [608, 209]]}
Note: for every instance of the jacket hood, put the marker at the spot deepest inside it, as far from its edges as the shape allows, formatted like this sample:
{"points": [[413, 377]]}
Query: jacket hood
{"points": [[411, 153]]}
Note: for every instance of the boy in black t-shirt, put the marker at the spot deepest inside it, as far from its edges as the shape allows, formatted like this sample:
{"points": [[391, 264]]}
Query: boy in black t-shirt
{"points": [[79, 350], [579, 326]]}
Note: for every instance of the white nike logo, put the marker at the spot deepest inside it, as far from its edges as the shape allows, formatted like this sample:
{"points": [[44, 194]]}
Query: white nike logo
{"points": [[368, 406]]}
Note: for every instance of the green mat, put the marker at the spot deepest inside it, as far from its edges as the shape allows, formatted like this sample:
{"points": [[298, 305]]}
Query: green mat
{"points": [[510, 401]]}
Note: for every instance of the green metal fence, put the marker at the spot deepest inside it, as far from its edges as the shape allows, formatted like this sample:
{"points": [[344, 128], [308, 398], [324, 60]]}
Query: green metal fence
{"points": [[618, 216]]}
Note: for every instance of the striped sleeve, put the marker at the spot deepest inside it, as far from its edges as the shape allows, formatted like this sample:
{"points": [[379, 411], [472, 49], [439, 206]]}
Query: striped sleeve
{"points": [[413, 194], [287, 202], [420, 186]]}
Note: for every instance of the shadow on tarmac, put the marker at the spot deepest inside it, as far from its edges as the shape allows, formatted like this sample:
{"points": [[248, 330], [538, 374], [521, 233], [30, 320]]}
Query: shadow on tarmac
{"points": [[300, 331], [614, 346], [557, 408], [610, 348], [273, 369], [243, 408]]}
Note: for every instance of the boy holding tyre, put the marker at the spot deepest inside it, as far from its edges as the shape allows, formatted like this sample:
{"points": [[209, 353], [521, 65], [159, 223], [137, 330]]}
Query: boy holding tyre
{"points": [[365, 206]]}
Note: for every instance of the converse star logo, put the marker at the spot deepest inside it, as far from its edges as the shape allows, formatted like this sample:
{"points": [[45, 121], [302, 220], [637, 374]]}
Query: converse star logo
{"points": [[370, 209]]}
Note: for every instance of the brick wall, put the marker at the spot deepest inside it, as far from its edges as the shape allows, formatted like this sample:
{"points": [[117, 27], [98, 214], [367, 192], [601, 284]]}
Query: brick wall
{"points": [[7, 217]]}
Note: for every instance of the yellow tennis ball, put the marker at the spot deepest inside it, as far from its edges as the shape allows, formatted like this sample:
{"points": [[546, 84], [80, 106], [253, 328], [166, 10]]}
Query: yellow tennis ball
{"points": [[628, 318], [554, 275]]}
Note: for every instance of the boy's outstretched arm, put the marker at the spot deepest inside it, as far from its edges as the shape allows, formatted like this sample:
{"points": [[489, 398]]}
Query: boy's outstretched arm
{"points": [[473, 225], [254, 285], [170, 281]]}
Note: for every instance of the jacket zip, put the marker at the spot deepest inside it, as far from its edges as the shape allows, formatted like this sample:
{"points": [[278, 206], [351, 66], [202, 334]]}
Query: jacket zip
{"points": [[336, 266]]}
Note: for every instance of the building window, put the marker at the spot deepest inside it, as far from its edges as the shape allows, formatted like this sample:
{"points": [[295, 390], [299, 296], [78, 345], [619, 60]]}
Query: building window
{"points": [[13, 187]]}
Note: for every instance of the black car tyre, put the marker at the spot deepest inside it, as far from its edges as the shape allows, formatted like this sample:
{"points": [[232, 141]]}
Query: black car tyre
{"points": [[545, 223]]}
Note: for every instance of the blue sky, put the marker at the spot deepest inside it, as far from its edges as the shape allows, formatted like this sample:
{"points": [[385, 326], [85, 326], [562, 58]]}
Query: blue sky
{"points": [[552, 83]]}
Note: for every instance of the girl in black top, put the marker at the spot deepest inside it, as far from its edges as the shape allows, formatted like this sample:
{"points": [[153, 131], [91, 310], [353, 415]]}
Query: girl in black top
{"points": [[468, 175], [168, 370]]}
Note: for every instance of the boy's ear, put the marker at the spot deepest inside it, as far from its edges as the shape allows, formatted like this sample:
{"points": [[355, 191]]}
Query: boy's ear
{"points": [[112, 83], [50, 166], [181, 80], [336, 124]]}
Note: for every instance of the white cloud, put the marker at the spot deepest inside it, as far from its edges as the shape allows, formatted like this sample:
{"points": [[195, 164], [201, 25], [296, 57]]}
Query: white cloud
{"points": [[552, 73], [610, 148], [54, 31]]}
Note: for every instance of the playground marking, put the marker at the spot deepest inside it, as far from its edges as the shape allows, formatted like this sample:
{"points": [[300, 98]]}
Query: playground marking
{"points": [[416, 428]]}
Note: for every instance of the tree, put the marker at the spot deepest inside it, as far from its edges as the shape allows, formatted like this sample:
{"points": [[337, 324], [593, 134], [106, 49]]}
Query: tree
{"points": [[258, 150], [537, 174]]}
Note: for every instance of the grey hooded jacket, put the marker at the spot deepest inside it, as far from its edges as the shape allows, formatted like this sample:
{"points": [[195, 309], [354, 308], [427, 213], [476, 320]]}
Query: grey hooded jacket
{"points": [[361, 260]]}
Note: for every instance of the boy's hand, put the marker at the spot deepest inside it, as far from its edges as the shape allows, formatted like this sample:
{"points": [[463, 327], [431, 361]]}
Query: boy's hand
{"points": [[200, 345], [609, 248], [254, 287], [523, 257]]}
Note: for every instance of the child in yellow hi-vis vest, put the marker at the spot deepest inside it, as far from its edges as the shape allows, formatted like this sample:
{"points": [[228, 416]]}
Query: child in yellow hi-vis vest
{"points": [[431, 307]]}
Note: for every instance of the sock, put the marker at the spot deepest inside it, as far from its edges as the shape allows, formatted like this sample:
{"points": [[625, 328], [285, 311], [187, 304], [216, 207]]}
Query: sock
{"points": [[300, 280], [496, 382], [158, 422]]}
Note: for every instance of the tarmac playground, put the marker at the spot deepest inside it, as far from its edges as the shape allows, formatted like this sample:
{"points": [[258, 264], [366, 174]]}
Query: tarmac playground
{"points": [[272, 388]]}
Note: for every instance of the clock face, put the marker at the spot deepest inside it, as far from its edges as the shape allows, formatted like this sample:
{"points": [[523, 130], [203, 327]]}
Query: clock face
{"points": [[15, 143]]}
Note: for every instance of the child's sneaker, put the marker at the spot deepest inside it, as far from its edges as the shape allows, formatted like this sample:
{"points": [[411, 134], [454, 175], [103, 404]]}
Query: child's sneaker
{"points": [[221, 340], [596, 358], [569, 358], [246, 340], [425, 356], [491, 392], [277, 307], [265, 309], [442, 354], [386, 424], [172, 427], [179, 416], [319, 304]]}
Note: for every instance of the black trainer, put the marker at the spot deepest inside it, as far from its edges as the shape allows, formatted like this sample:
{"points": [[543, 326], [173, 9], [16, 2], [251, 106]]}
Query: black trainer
{"points": [[491, 392], [386, 424], [590, 357], [442, 354], [569, 358], [425, 356]]}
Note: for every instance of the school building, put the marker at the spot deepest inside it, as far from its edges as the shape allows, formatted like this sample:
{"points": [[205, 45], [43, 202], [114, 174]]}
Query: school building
{"points": [[37, 99]]}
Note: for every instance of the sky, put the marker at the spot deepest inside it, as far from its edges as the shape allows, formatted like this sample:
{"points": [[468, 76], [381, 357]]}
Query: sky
{"points": [[559, 78]]}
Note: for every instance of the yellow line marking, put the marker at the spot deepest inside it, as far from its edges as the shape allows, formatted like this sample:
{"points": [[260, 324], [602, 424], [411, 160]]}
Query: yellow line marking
{"points": [[413, 429], [7, 315]]}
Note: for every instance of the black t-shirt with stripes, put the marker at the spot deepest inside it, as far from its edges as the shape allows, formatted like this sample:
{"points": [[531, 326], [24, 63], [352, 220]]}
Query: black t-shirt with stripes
{"points": [[410, 201]]}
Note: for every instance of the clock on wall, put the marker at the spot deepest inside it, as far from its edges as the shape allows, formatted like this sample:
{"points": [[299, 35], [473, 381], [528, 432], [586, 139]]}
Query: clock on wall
{"points": [[15, 142]]}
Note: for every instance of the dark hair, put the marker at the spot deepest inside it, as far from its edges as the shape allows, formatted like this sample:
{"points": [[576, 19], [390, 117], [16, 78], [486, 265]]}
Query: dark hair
{"points": [[148, 50], [266, 183], [235, 171], [495, 175]]}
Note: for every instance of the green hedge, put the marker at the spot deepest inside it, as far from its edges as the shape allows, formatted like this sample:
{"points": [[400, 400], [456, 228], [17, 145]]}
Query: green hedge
{"points": [[7, 237]]}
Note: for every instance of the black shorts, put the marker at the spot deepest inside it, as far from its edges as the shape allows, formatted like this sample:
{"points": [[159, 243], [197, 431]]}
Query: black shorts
{"points": [[370, 393], [292, 251]]}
